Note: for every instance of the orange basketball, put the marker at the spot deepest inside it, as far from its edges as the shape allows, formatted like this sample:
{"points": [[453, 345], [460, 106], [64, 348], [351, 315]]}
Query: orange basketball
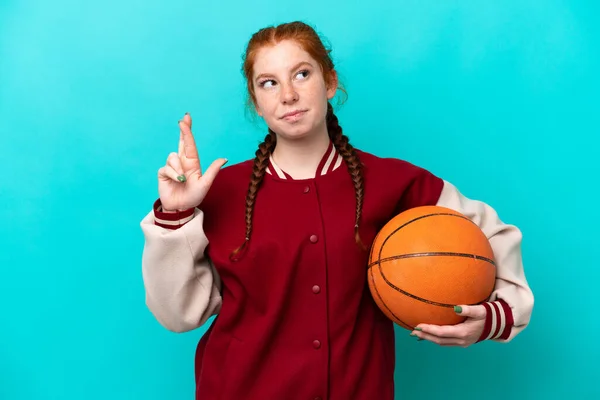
{"points": [[425, 261]]}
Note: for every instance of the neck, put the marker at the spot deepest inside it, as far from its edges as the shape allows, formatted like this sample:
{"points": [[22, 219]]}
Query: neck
{"points": [[301, 157]]}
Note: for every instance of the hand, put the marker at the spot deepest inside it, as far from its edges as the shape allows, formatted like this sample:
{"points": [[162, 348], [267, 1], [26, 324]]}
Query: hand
{"points": [[181, 184], [463, 334]]}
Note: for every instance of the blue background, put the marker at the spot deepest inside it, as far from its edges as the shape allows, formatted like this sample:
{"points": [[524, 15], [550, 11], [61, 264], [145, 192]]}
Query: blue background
{"points": [[498, 97]]}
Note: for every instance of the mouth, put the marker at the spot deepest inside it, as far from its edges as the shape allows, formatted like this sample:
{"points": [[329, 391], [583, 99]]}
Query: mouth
{"points": [[294, 114]]}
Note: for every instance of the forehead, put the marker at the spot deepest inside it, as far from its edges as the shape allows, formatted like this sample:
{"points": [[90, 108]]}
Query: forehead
{"points": [[280, 58]]}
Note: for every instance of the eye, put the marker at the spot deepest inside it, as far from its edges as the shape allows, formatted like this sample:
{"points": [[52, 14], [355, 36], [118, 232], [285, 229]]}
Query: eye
{"points": [[267, 83], [303, 74]]}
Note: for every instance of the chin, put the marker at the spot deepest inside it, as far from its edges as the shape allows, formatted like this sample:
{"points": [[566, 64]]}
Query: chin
{"points": [[300, 130], [297, 131]]}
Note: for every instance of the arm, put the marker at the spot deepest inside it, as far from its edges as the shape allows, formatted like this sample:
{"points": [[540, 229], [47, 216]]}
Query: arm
{"points": [[511, 303], [182, 287]]}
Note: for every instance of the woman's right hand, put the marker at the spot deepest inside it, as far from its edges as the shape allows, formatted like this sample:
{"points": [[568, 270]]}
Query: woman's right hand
{"points": [[181, 184]]}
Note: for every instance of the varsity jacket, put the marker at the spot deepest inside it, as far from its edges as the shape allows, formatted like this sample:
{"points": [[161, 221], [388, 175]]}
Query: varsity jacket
{"points": [[294, 314]]}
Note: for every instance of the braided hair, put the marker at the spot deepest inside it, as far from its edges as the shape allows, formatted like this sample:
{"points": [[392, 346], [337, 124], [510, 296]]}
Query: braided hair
{"points": [[310, 41], [343, 146]]}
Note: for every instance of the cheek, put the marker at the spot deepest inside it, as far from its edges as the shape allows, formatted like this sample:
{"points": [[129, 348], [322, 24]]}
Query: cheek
{"points": [[265, 104], [319, 94]]}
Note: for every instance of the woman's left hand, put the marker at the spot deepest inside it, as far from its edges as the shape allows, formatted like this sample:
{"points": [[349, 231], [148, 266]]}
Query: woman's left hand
{"points": [[463, 334]]}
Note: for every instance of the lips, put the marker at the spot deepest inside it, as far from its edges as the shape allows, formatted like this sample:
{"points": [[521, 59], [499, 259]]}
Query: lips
{"points": [[293, 114]]}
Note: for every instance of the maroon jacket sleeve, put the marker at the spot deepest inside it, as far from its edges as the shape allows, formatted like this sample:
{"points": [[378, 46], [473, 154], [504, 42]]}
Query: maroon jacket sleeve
{"points": [[424, 188]]}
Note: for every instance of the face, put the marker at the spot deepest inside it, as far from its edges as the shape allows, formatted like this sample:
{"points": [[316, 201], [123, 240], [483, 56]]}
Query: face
{"points": [[291, 94]]}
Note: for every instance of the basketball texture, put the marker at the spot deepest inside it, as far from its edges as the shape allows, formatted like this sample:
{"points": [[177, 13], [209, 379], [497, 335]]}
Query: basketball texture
{"points": [[425, 261]]}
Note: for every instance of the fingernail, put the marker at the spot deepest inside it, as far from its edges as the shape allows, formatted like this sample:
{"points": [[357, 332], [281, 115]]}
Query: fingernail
{"points": [[457, 309], [181, 178], [418, 329], [419, 339], [187, 113]]}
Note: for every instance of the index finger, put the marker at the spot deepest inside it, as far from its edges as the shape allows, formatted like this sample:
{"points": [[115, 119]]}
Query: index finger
{"points": [[187, 118], [189, 144]]}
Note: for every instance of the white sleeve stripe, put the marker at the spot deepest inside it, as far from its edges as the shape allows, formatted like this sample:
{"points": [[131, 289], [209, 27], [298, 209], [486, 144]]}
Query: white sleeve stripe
{"points": [[174, 223], [493, 328], [501, 319]]}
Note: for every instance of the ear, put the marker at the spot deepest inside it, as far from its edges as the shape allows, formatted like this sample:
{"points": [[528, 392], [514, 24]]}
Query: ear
{"points": [[333, 84]]}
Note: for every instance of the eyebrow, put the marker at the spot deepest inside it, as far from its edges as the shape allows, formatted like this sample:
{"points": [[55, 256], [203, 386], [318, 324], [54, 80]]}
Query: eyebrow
{"points": [[301, 63]]}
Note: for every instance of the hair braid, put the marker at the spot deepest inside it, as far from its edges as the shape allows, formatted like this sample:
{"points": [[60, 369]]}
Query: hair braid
{"points": [[261, 162], [343, 146]]}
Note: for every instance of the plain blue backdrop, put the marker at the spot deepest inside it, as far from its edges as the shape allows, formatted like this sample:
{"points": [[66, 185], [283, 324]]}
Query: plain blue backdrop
{"points": [[498, 97]]}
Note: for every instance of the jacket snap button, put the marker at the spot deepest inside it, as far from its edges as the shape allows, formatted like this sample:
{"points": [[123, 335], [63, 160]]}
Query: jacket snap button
{"points": [[316, 344], [316, 289], [314, 239]]}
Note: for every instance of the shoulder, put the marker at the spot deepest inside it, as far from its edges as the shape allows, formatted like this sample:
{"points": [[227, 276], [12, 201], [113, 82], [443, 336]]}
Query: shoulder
{"points": [[396, 166], [233, 174], [413, 185], [229, 185]]}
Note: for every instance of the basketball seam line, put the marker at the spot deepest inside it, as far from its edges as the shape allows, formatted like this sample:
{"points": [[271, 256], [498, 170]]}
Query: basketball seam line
{"points": [[399, 321], [385, 305], [434, 254], [434, 303]]}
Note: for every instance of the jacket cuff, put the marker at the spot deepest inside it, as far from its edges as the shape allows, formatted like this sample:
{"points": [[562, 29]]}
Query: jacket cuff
{"points": [[498, 321], [171, 220]]}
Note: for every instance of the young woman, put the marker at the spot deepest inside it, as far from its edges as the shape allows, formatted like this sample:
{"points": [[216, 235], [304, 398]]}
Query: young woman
{"points": [[277, 246]]}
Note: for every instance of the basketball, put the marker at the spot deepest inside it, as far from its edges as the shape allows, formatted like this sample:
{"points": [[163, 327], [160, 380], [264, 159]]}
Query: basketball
{"points": [[425, 261]]}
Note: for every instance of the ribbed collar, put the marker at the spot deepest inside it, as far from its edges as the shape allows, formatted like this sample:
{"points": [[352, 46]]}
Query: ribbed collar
{"points": [[330, 162]]}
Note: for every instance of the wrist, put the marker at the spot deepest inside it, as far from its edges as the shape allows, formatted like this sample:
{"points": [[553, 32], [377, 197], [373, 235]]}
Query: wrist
{"points": [[171, 219], [498, 321]]}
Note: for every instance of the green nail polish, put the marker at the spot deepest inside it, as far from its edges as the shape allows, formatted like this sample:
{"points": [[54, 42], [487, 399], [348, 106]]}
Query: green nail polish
{"points": [[457, 309], [181, 178], [419, 339], [418, 329]]}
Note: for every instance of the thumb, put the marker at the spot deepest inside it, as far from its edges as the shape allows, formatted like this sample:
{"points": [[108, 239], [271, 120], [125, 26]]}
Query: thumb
{"points": [[212, 171], [477, 312]]}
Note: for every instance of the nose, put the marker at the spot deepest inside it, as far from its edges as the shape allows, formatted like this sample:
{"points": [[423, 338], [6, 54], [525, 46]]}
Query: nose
{"points": [[288, 93]]}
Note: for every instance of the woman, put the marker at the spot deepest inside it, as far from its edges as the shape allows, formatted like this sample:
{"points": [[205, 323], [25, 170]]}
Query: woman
{"points": [[276, 246]]}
